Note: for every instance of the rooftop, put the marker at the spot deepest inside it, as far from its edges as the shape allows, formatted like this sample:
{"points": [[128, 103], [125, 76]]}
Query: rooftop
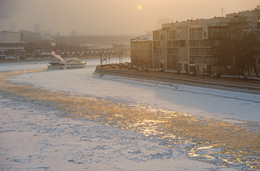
{"points": [[143, 38]]}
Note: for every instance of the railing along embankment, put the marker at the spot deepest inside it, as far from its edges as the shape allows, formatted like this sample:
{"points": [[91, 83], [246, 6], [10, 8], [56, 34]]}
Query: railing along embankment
{"points": [[210, 82]]}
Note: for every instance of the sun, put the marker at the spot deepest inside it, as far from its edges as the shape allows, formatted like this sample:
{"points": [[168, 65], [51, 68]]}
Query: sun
{"points": [[139, 7]]}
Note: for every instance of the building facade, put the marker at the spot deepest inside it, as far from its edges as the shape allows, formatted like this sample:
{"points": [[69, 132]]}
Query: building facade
{"points": [[11, 44], [192, 46], [28, 36], [142, 51]]}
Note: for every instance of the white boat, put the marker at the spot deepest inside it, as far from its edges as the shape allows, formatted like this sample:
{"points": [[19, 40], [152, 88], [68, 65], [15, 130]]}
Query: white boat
{"points": [[69, 63], [74, 63]]}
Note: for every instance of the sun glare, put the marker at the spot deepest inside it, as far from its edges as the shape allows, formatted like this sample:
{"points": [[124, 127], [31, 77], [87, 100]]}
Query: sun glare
{"points": [[139, 7]]}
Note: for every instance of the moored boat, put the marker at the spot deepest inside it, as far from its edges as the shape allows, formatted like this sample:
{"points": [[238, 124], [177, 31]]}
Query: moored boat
{"points": [[69, 63]]}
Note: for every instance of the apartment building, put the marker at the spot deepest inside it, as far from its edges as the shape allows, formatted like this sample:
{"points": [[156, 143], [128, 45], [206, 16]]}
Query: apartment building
{"points": [[142, 51], [190, 46]]}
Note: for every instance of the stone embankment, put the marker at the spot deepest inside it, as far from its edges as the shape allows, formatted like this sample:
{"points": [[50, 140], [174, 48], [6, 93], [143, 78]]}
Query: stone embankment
{"points": [[224, 83]]}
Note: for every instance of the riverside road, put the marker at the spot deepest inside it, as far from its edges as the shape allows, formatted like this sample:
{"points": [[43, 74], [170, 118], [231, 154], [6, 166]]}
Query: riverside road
{"points": [[233, 84]]}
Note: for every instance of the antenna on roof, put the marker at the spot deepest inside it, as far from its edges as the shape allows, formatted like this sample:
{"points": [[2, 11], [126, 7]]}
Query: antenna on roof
{"points": [[222, 12]]}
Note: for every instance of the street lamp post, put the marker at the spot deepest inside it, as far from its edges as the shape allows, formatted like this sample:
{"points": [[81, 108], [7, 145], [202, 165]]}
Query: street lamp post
{"points": [[101, 60]]}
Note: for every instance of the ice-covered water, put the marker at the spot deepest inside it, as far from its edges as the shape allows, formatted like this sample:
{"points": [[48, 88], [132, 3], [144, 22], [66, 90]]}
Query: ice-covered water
{"points": [[34, 136], [194, 101], [187, 99]]}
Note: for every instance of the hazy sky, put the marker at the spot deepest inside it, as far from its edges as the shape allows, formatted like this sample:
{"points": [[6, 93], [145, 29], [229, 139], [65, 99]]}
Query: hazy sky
{"points": [[110, 17]]}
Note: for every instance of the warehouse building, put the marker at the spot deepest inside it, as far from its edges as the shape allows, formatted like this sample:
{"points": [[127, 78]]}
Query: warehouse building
{"points": [[11, 45]]}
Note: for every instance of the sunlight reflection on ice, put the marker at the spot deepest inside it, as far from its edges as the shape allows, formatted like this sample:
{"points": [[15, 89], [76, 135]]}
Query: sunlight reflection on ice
{"points": [[214, 141]]}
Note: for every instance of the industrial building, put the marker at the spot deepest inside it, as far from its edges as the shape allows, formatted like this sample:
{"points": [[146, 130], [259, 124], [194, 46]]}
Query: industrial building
{"points": [[11, 45], [28, 36]]}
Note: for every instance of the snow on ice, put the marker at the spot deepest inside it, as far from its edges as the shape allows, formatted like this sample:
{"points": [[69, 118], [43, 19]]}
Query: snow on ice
{"points": [[187, 99], [35, 136]]}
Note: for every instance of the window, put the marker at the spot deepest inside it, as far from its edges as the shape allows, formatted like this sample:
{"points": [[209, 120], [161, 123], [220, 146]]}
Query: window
{"points": [[205, 43], [172, 34], [218, 32], [174, 51], [199, 33], [192, 33], [194, 43]]}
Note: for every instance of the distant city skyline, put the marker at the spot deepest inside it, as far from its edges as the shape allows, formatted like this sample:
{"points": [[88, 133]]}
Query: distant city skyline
{"points": [[109, 17]]}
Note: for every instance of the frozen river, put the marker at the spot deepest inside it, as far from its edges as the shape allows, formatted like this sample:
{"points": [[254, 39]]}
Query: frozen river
{"points": [[47, 140], [187, 99]]}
